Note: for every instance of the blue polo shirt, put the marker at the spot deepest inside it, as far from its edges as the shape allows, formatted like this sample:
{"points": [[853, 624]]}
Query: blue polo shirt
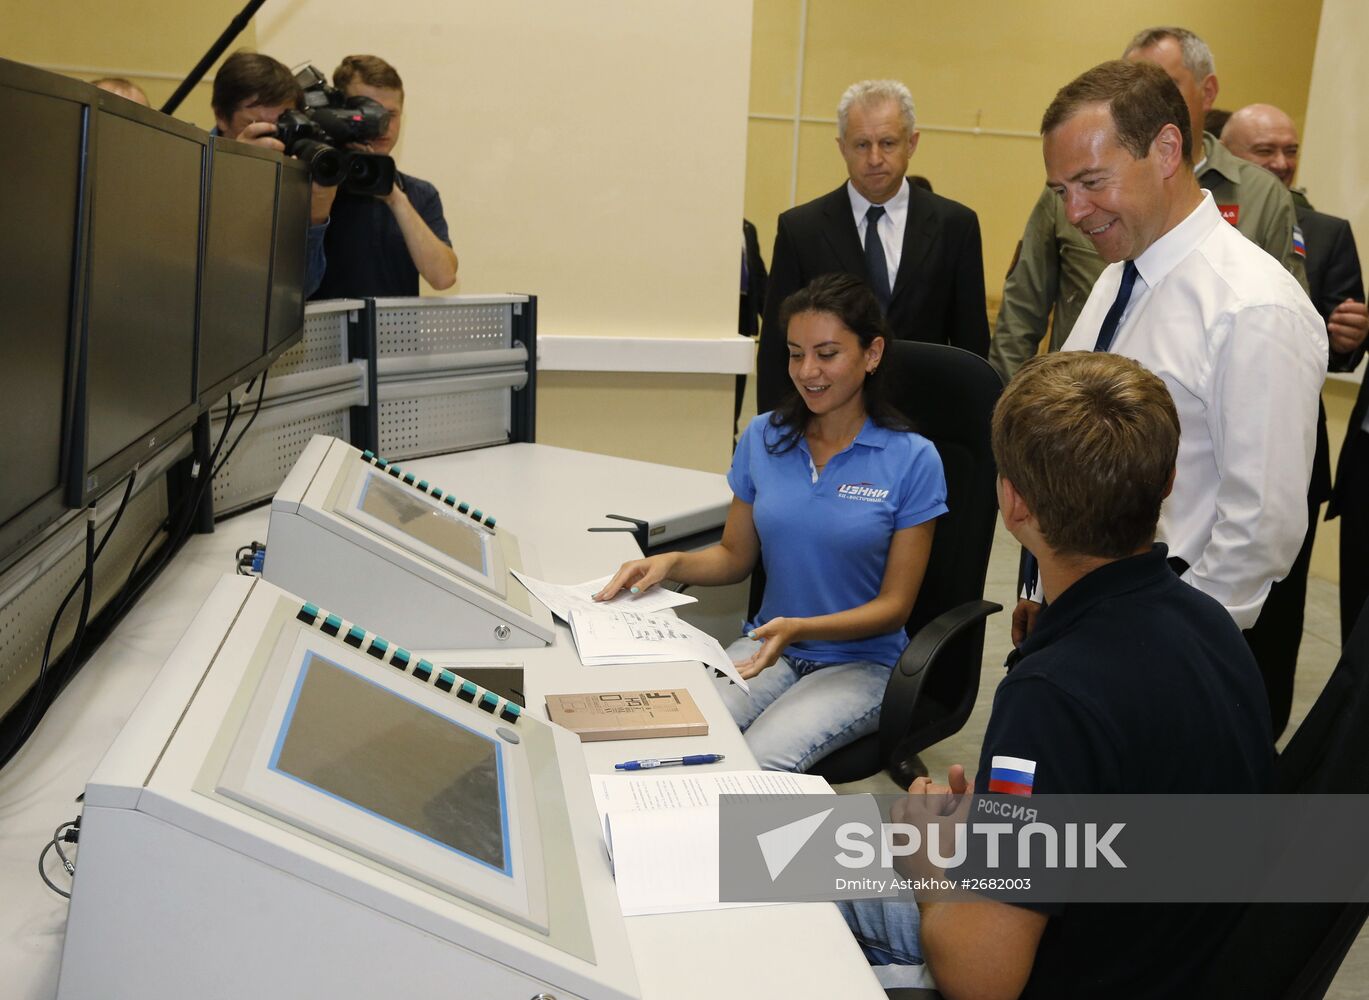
{"points": [[825, 544]]}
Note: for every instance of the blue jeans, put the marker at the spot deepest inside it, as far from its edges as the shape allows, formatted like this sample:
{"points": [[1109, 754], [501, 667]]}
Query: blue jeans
{"points": [[799, 711], [887, 931]]}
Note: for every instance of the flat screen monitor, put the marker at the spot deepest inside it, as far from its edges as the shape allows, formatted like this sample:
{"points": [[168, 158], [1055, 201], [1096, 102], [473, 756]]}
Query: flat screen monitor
{"points": [[142, 299], [387, 768], [444, 536], [42, 175], [348, 738], [286, 325], [235, 289]]}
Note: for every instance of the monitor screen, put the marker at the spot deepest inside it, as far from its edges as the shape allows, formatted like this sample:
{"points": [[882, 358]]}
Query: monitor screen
{"points": [[142, 299], [235, 288], [41, 174], [456, 537], [350, 738], [288, 268]]}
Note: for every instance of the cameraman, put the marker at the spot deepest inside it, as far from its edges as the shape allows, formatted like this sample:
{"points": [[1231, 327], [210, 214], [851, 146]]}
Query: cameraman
{"points": [[251, 91], [378, 246]]}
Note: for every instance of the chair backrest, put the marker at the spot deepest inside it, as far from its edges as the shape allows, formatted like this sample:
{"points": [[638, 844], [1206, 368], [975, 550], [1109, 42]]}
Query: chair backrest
{"points": [[948, 395], [1287, 950]]}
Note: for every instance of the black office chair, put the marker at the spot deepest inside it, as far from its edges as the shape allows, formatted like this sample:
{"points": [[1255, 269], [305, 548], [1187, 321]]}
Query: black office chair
{"points": [[1291, 951], [949, 396]]}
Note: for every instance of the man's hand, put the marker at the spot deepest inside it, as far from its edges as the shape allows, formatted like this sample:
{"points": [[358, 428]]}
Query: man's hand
{"points": [[1347, 326], [929, 804], [1024, 620], [948, 794], [434, 259], [320, 203], [261, 134], [774, 635]]}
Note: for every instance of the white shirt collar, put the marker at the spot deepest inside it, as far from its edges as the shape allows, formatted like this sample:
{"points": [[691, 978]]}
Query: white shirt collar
{"points": [[1164, 254], [895, 206]]}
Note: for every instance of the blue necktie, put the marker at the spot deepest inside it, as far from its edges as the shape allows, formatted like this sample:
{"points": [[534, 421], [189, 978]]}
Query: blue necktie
{"points": [[1106, 333], [1109, 328], [876, 267]]}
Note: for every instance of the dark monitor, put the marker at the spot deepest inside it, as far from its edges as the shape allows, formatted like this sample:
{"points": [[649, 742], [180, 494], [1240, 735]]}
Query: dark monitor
{"points": [[235, 287], [42, 172], [286, 325], [137, 387]]}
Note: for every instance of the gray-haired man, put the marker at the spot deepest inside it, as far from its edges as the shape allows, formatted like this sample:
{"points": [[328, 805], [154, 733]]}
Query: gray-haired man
{"points": [[924, 263]]}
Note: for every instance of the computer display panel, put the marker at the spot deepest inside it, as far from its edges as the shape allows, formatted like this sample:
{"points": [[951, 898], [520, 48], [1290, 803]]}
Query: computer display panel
{"points": [[235, 289], [138, 339], [41, 245], [383, 768], [424, 526], [288, 268], [341, 736]]}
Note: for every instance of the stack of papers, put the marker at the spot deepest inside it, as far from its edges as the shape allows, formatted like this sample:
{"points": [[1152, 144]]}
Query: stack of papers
{"points": [[562, 598], [629, 628], [661, 832], [605, 636]]}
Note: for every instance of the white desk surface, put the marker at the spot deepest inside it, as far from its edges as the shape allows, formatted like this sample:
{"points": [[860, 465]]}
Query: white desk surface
{"points": [[792, 951], [557, 481]]}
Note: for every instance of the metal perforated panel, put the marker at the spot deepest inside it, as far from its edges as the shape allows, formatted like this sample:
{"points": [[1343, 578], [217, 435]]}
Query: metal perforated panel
{"points": [[433, 424], [323, 345], [444, 328], [258, 466], [25, 620]]}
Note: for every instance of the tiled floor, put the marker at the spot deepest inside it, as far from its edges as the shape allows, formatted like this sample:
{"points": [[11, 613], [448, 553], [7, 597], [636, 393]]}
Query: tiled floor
{"points": [[1319, 654]]}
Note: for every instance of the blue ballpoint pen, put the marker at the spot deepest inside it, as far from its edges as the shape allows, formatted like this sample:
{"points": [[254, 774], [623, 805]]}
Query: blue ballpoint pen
{"points": [[650, 762]]}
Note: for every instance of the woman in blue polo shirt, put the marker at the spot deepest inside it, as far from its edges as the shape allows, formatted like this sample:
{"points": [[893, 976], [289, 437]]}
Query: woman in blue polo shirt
{"points": [[838, 498]]}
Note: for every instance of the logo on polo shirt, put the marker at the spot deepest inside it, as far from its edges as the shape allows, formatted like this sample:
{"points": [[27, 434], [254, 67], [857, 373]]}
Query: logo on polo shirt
{"points": [[868, 492]]}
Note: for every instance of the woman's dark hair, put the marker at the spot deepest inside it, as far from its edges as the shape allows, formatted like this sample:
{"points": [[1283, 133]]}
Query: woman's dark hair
{"points": [[855, 307]]}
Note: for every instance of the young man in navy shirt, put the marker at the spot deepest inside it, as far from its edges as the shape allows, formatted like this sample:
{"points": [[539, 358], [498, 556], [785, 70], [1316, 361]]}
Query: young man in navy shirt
{"points": [[1132, 682], [379, 246]]}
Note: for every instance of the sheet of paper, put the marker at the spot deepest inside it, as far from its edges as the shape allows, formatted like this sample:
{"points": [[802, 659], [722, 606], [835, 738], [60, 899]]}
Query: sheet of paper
{"points": [[603, 635], [560, 598], [662, 833], [684, 790]]}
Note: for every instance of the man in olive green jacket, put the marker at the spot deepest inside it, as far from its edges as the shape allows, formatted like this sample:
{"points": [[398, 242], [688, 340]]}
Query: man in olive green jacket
{"points": [[1056, 266]]}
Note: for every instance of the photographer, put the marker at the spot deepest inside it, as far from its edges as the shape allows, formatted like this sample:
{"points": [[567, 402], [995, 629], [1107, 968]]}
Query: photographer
{"points": [[379, 245], [251, 91]]}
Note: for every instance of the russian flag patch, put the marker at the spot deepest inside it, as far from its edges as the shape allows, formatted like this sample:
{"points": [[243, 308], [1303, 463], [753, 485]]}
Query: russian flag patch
{"points": [[1011, 775], [1299, 245]]}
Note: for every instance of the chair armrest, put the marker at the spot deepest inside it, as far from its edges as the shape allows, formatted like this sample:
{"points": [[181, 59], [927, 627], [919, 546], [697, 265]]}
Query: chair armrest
{"points": [[905, 682]]}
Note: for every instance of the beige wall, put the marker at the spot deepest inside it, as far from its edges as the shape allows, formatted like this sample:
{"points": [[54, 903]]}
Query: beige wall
{"points": [[988, 64], [593, 154], [1333, 171], [152, 42]]}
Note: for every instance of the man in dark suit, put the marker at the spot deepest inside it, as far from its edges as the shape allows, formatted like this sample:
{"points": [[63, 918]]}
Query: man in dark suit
{"points": [[1266, 135], [925, 263], [1333, 277]]}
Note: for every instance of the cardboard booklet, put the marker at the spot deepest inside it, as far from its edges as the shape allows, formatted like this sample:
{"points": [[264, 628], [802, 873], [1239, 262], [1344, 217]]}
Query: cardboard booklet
{"points": [[627, 715]]}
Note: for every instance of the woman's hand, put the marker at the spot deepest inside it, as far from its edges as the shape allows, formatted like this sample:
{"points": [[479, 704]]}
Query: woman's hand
{"points": [[774, 635], [638, 575]]}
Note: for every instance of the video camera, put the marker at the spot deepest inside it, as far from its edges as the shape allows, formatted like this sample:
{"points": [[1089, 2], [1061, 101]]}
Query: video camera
{"points": [[319, 135]]}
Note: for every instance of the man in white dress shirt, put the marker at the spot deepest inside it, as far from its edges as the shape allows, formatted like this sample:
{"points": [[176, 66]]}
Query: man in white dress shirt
{"points": [[1233, 336]]}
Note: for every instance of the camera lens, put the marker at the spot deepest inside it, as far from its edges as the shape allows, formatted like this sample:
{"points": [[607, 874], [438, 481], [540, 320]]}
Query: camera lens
{"points": [[327, 166]]}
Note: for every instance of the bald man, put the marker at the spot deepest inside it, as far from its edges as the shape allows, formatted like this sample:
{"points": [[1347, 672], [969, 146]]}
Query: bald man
{"points": [[1264, 134]]}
